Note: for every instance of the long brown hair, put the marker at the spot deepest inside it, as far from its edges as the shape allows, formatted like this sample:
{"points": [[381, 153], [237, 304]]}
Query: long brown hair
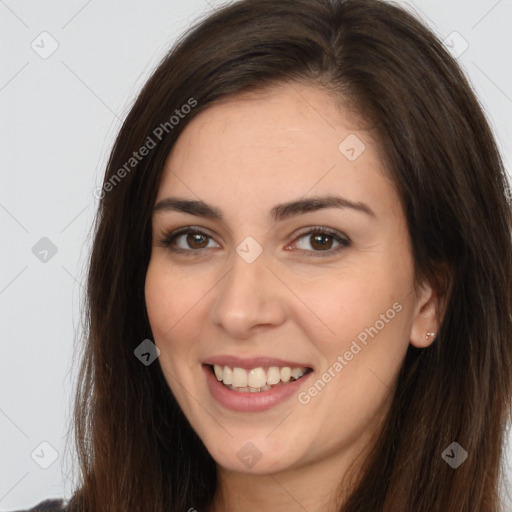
{"points": [[137, 451]]}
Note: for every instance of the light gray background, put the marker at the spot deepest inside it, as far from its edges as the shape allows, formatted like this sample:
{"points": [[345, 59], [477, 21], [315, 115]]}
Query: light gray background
{"points": [[59, 116]]}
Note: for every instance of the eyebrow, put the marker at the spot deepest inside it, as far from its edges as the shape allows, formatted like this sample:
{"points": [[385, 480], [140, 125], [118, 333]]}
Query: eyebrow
{"points": [[277, 213]]}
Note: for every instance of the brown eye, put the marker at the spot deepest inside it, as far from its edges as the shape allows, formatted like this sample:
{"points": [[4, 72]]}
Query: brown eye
{"points": [[197, 240], [320, 241], [187, 241]]}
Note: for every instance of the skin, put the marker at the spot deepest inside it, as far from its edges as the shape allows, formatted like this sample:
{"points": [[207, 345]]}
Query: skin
{"points": [[243, 156]]}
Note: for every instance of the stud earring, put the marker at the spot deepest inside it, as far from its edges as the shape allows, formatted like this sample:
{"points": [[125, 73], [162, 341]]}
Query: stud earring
{"points": [[433, 334]]}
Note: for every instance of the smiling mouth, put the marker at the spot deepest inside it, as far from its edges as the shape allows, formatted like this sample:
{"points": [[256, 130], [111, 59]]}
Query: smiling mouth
{"points": [[257, 379]]}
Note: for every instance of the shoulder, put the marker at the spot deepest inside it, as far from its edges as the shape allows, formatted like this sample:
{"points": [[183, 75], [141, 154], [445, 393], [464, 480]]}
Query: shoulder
{"points": [[47, 506]]}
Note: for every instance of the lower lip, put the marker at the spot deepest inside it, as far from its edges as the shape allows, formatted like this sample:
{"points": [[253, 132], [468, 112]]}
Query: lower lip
{"points": [[251, 402]]}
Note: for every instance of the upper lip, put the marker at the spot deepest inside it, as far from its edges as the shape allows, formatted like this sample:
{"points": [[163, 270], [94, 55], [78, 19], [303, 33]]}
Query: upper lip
{"points": [[252, 362]]}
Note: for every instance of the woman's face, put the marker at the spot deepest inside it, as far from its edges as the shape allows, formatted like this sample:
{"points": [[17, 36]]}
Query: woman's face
{"points": [[279, 276]]}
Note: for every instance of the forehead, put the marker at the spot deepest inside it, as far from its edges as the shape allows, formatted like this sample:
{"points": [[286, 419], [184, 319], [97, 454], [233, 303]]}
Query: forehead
{"points": [[276, 144]]}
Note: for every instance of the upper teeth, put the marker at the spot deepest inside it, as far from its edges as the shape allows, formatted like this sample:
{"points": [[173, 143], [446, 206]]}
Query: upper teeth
{"points": [[257, 377]]}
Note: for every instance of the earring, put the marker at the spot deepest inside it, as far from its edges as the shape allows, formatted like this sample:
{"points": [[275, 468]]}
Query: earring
{"points": [[433, 334]]}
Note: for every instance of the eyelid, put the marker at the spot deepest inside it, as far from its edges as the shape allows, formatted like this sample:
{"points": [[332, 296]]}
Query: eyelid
{"points": [[321, 229]]}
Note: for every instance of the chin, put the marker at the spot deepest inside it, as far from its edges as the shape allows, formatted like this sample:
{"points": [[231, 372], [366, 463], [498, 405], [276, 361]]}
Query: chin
{"points": [[253, 455]]}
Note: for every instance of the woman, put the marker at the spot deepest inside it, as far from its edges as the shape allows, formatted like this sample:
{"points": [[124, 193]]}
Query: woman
{"points": [[299, 294]]}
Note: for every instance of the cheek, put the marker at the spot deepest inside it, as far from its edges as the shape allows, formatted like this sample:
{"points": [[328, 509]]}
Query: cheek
{"points": [[360, 361], [346, 304], [361, 327], [170, 297], [171, 301]]}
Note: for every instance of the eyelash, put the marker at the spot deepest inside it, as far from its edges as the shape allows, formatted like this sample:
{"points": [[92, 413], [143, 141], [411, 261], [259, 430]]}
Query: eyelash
{"points": [[169, 239]]}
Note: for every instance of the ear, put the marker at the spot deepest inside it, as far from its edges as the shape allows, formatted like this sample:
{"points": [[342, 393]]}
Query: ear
{"points": [[425, 326]]}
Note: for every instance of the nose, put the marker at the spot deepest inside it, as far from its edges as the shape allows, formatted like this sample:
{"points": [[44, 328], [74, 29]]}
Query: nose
{"points": [[249, 299]]}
